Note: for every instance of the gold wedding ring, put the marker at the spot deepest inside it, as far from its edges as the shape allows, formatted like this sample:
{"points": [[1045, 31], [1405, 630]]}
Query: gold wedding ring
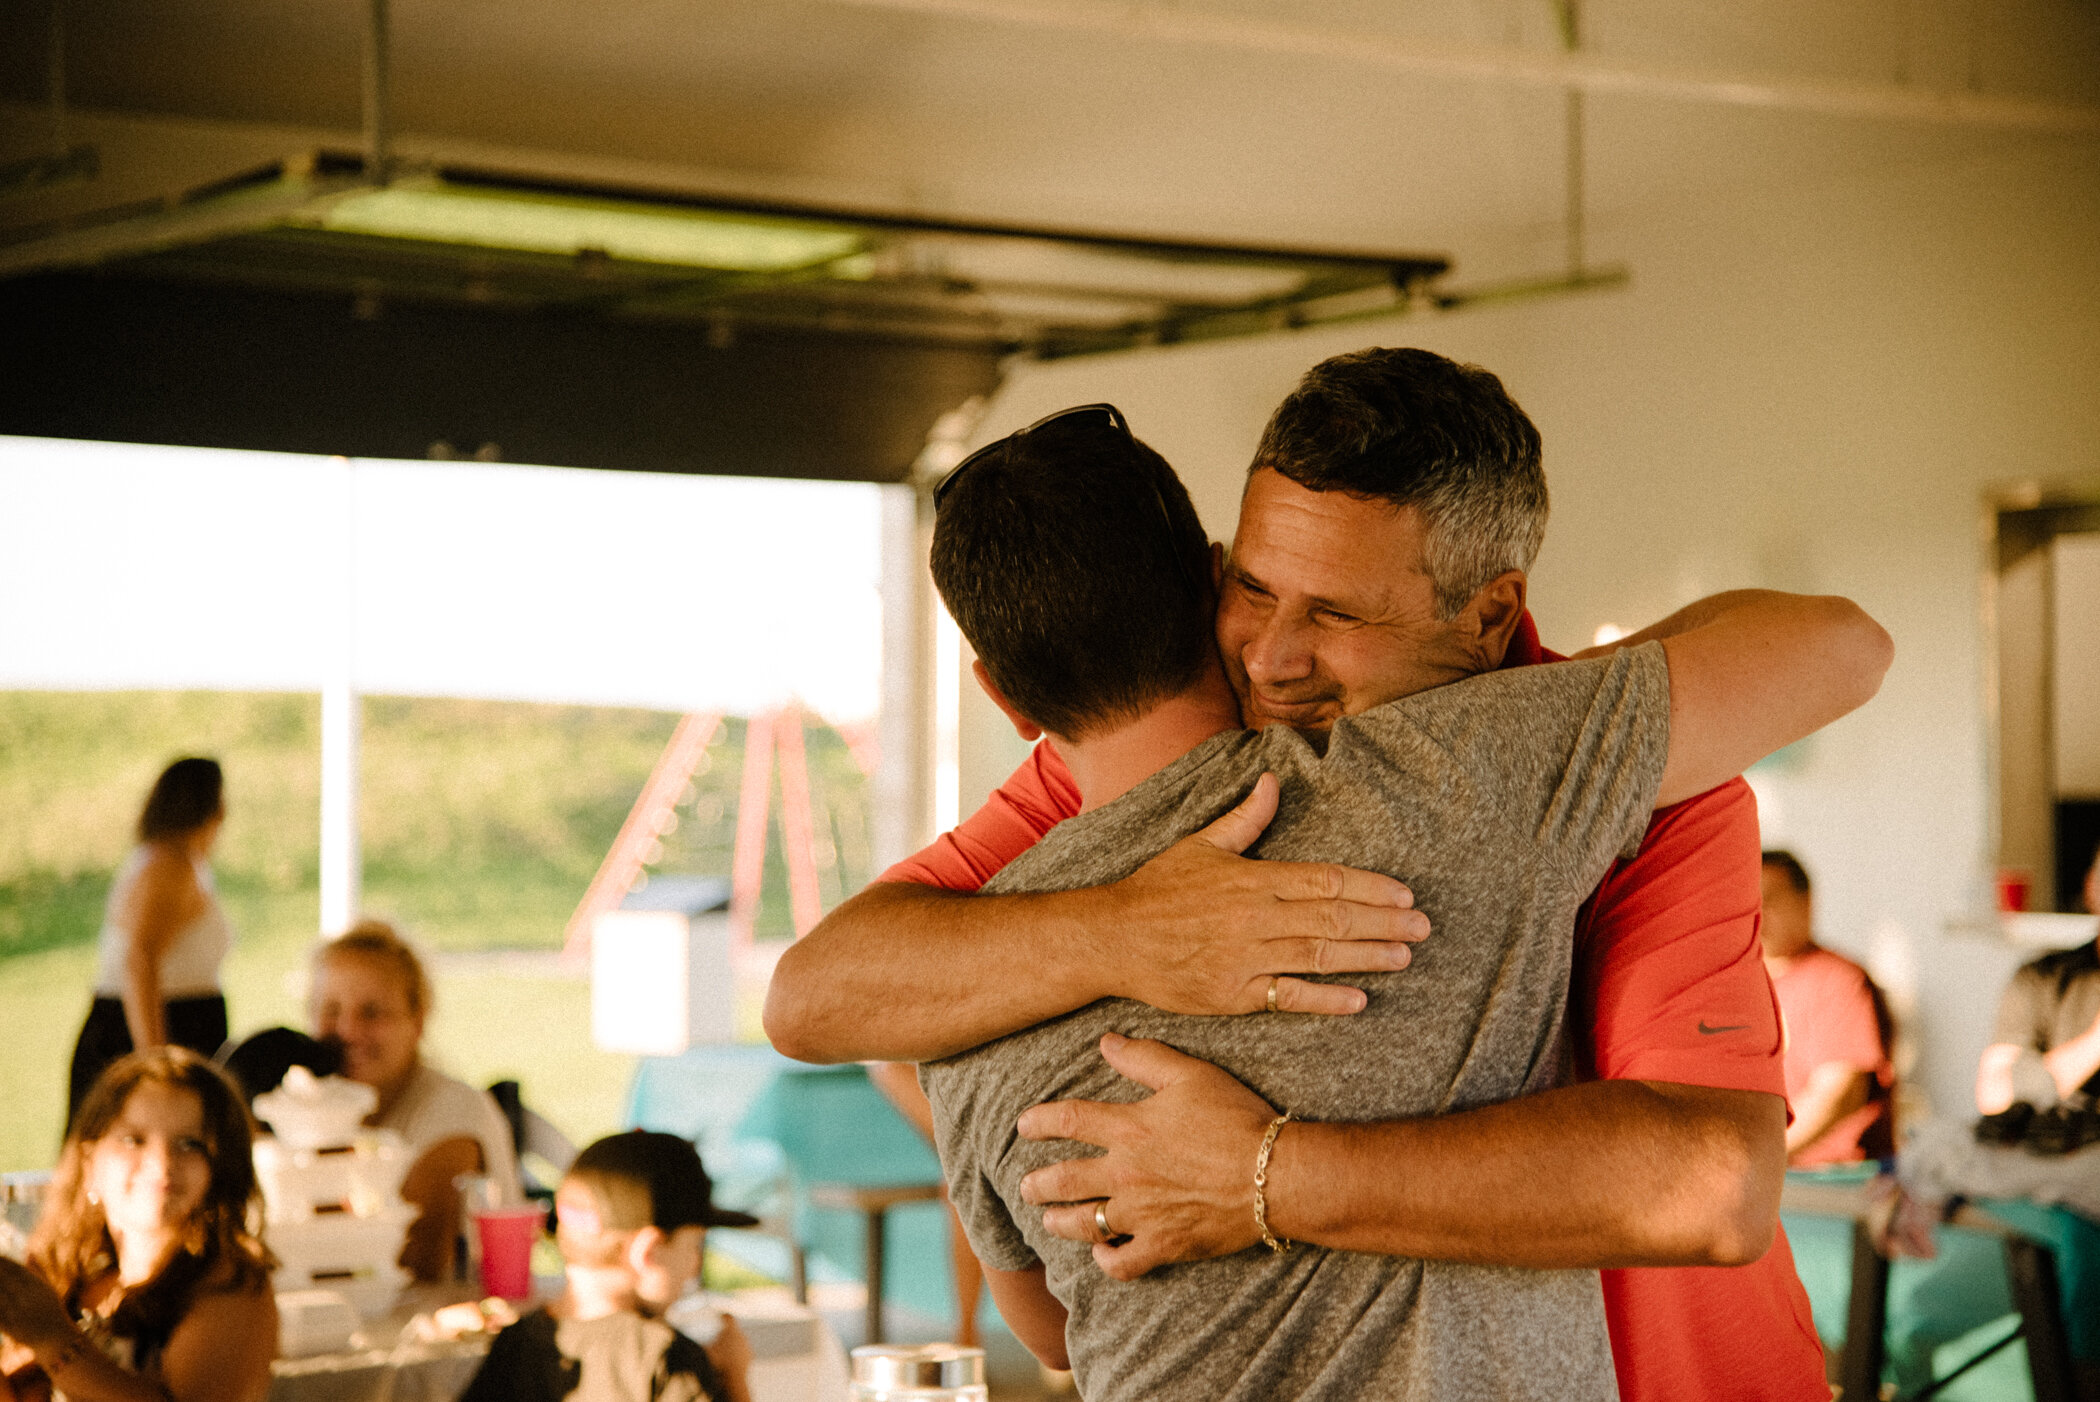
{"points": [[1107, 1235], [1272, 994]]}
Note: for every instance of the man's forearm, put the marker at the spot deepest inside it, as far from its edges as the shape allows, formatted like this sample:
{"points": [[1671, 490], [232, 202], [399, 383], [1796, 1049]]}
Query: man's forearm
{"points": [[1610, 1173], [1700, 613], [909, 973], [912, 973], [1032, 1312], [1994, 1077], [2074, 1063]]}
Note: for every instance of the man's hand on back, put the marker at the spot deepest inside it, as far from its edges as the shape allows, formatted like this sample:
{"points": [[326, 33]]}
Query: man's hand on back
{"points": [[1199, 929], [1178, 1177]]}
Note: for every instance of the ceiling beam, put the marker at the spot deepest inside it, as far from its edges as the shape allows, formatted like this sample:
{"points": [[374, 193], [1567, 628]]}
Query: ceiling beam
{"points": [[102, 355], [1582, 70]]}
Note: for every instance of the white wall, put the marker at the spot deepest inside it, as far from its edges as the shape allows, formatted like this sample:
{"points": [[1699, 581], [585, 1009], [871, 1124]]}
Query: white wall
{"points": [[1804, 388], [2076, 621]]}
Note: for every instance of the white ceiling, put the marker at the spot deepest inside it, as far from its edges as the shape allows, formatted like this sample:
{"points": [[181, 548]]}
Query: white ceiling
{"points": [[878, 102]]}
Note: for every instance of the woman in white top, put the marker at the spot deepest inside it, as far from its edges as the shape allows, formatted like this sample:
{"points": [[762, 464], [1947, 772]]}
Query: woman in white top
{"points": [[164, 933], [370, 999]]}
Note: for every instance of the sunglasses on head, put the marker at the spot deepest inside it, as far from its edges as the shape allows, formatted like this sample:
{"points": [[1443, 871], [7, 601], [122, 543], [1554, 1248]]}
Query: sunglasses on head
{"points": [[1106, 414], [1101, 415]]}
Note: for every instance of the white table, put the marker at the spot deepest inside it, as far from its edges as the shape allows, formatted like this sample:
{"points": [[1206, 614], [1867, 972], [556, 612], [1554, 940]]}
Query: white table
{"points": [[795, 1356]]}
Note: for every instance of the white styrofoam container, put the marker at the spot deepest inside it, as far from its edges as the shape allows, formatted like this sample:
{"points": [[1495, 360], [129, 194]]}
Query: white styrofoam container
{"points": [[315, 1111], [343, 1252], [362, 1177], [371, 1291], [314, 1321]]}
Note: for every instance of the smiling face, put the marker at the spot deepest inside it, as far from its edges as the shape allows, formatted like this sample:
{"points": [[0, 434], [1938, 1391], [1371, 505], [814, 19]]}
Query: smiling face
{"points": [[152, 1168], [1326, 608], [363, 1006]]}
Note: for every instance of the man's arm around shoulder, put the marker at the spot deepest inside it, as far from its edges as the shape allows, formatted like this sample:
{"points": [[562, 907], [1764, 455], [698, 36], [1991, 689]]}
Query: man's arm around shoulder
{"points": [[1198, 929], [1753, 671]]}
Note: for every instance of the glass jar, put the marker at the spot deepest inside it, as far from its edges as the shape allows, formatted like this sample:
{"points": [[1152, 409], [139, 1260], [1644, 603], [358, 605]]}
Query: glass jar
{"points": [[918, 1373]]}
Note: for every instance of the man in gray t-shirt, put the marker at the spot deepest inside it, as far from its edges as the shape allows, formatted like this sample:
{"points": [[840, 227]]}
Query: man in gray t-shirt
{"points": [[1502, 801]]}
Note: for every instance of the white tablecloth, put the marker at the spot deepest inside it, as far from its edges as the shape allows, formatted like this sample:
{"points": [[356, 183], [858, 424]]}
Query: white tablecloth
{"points": [[795, 1357]]}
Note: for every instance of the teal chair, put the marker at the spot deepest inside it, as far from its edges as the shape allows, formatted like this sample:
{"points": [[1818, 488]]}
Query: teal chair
{"points": [[862, 1187]]}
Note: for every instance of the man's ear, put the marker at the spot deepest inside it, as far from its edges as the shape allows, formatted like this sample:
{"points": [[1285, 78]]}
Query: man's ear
{"points": [[1490, 618], [1217, 569], [1026, 728]]}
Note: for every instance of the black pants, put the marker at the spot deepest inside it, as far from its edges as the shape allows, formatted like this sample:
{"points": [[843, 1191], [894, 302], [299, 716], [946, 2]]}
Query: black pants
{"points": [[197, 1023]]}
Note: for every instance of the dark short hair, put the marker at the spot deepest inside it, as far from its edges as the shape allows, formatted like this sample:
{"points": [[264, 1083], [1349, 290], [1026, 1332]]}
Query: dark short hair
{"points": [[1072, 559], [1785, 862], [188, 794], [1415, 429]]}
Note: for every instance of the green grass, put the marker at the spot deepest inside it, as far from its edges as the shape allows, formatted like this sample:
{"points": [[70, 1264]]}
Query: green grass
{"points": [[43, 997], [42, 910], [482, 824]]}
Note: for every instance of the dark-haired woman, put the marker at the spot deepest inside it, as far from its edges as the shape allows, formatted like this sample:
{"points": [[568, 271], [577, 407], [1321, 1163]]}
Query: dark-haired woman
{"points": [[145, 1276], [164, 933]]}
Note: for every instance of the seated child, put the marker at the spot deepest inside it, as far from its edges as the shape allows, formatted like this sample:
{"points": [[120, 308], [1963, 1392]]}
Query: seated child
{"points": [[632, 1214]]}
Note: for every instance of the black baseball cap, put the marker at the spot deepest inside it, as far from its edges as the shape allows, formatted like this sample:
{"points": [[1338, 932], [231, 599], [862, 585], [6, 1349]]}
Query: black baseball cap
{"points": [[644, 1178]]}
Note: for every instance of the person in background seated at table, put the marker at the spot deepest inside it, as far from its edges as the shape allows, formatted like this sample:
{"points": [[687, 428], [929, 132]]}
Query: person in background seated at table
{"points": [[145, 1279], [2050, 1012], [1838, 1075], [163, 933], [633, 1214], [370, 999]]}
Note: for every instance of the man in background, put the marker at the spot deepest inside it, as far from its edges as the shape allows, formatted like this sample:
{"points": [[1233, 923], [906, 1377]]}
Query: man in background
{"points": [[2050, 1014], [1838, 1074]]}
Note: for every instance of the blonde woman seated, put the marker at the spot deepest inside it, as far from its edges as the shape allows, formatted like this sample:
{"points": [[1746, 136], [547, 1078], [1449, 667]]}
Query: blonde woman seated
{"points": [[370, 999], [146, 1280]]}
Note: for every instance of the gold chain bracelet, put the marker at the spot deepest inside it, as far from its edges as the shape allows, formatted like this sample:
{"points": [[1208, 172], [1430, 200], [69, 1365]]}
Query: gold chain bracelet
{"points": [[1261, 1185]]}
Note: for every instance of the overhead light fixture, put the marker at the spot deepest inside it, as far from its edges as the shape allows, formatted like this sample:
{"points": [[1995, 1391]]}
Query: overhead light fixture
{"points": [[323, 221], [532, 222], [1045, 264], [1067, 308]]}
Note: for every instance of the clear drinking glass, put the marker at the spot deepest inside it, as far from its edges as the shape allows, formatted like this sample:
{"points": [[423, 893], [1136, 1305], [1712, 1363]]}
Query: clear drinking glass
{"points": [[918, 1373], [21, 1201]]}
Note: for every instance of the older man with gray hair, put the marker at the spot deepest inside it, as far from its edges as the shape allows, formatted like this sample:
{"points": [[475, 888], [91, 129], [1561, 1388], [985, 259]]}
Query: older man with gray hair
{"points": [[1668, 1151]]}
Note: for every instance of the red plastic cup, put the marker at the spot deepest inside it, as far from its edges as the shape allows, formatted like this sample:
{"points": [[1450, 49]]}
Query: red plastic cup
{"points": [[506, 1236], [2014, 887]]}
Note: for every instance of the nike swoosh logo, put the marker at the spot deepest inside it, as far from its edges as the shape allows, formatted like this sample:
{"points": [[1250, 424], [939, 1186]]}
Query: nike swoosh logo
{"points": [[1706, 1031]]}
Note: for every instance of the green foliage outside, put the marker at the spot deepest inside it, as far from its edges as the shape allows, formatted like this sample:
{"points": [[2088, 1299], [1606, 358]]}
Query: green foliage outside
{"points": [[482, 823]]}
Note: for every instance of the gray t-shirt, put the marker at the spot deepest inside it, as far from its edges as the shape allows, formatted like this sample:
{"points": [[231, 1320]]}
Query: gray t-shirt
{"points": [[1501, 800]]}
